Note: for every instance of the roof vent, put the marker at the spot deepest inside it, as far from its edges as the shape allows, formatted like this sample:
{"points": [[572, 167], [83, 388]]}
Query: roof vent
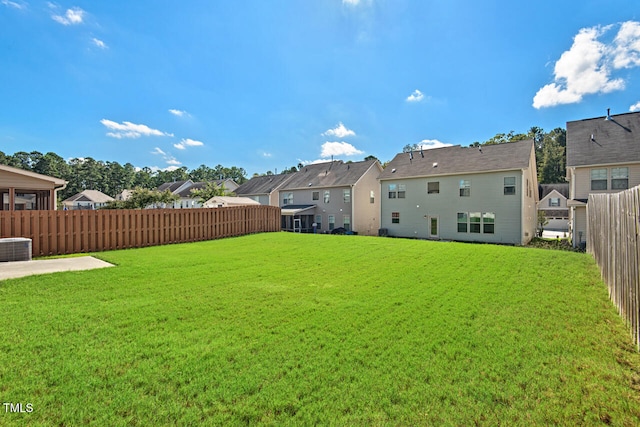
{"points": [[435, 164], [393, 170], [608, 115]]}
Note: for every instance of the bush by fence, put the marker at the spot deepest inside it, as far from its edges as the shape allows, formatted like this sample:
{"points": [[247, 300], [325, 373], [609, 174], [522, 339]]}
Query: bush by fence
{"points": [[66, 232], [613, 231]]}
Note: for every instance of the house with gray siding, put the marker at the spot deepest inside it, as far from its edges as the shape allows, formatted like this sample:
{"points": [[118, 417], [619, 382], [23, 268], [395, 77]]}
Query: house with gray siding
{"points": [[603, 156], [332, 195], [486, 194], [263, 189]]}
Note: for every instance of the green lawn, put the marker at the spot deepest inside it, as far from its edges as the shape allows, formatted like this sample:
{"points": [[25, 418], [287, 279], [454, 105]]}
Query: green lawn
{"points": [[288, 329]]}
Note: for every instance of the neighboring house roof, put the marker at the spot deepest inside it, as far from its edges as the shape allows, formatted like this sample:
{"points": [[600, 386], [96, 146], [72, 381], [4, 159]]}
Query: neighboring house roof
{"points": [[230, 201], [331, 174], [186, 192], [598, 141], [546, 189], [295, 209], [457, 160], [265, 184], [173, 186], [94, 196], [56, 182], [124, 195]]}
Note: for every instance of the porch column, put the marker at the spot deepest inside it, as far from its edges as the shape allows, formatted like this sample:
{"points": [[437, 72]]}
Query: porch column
{"points": [[12, 199], [52, 200]]}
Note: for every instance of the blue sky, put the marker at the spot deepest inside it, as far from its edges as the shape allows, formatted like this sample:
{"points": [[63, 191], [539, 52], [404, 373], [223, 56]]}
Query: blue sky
{"points": [[266, 85]]}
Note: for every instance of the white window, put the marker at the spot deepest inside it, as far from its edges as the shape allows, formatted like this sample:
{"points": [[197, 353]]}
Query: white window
{"points": [[509, 185], [346, 196], [554, 202], [319, 221], [474, 222], [395, 217], [619, 178], [372, 197], [393, 191], [332, 222], [288, 199], [346, 222], [598, 179], [462, 222], [465, 188], [326, 196], [315, 195], [488, 222], [402, 190]]}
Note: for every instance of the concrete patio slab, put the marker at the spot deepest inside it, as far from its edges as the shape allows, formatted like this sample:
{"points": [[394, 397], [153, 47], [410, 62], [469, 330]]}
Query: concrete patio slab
{"points": [[14, 269]]}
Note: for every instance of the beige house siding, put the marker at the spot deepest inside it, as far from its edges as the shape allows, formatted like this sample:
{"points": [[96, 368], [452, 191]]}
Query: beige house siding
{"points": [[515, 215], [366, 215], [582, 179], [20, 189]]}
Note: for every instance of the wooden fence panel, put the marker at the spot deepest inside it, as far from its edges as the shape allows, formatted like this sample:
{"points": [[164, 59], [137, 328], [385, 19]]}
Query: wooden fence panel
{"points": [[613, 229], [66, 232]]}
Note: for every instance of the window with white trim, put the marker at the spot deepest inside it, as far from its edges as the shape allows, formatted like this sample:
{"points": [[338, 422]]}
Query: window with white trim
{"points": [[288, 199], [402, 190], [598, 179], [346, 195], [465, 188], [332, 222], [474, 222], [393, 191], [315, 195], [619, 178], [509, 185], [346, 222], [462, 222], [327, 196], [488, 222], [395, 217]]}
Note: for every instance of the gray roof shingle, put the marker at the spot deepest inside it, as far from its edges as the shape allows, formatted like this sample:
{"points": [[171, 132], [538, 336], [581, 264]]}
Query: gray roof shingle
{"points": [[262, 184], [598, 141], [457, 160], [329, 174]]}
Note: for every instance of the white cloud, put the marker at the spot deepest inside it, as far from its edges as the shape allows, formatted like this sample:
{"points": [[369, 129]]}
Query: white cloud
{"points": [[427, 144], [184, 143], [157, 150], [416, 96], [587, 67], [338, 149], [267, 155], [99, 43], [71, 17], [16, 5], [351, 2], [635, 107], [339, 131], [172, 161], [179, 113], [130, 130]]}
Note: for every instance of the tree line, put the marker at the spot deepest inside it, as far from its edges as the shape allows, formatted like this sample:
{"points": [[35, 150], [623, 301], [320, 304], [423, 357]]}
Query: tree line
{"points": [[551, 159], [112, 177]]}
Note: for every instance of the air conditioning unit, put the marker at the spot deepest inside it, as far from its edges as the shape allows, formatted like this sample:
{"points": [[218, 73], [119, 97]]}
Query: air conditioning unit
{"points": [[15, 249]]}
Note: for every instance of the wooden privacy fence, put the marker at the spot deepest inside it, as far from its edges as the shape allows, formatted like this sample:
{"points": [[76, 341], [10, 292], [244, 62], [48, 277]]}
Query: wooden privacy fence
{"points": [[613, 229], [66, 232]]}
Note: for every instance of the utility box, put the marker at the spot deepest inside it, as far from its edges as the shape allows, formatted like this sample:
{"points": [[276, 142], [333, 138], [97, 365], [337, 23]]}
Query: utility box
{"points": [[15, 249]]}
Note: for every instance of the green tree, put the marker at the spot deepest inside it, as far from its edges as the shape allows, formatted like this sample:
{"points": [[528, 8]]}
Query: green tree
{"points": [[209, 191], [142, 198]]}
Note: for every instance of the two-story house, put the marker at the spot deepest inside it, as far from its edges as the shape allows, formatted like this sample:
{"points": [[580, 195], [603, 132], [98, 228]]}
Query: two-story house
{"points": [[603, 156], [263, 189], [183, 190], [553, 204], [478, 194]]}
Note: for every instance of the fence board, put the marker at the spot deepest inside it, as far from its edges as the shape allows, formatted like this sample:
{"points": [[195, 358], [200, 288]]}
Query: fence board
{"points": [[613, 229], [66, 232]]}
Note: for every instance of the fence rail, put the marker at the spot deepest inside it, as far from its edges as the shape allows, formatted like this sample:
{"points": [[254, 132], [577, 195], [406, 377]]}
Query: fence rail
{"points": [[66, 232], [613, 229]]}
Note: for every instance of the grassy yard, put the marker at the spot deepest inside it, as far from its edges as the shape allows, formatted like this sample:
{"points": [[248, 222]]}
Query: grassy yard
{"points": [[287, 329]]}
